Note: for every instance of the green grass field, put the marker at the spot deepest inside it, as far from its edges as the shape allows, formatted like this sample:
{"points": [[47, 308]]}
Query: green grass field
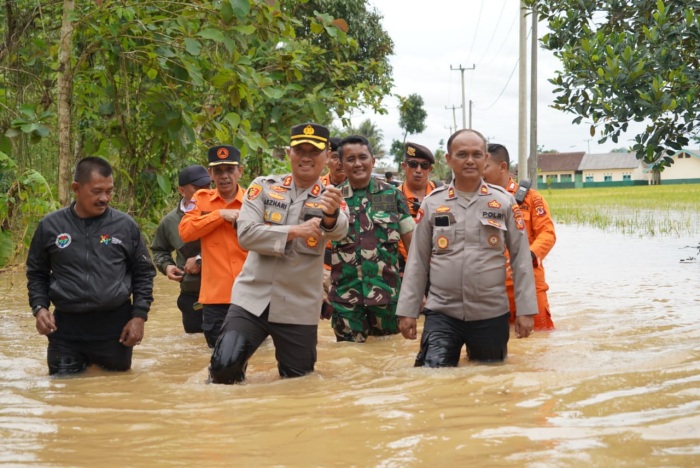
{"points": [[643, 210]]}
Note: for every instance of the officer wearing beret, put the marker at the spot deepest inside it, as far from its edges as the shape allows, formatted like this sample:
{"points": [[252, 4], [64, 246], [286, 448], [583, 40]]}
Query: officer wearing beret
{"points": [[212, 220], [417, 167], [285, 222], [462, 232], [167, 239]]}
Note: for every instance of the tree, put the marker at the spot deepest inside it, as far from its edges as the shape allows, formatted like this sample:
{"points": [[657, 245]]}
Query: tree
{"points": [[411, 115], [628, 60], [151, 84]]}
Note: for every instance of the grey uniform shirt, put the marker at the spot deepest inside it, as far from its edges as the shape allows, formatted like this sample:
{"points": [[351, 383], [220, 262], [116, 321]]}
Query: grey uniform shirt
{"points": [[462, 245], [286, 275]]}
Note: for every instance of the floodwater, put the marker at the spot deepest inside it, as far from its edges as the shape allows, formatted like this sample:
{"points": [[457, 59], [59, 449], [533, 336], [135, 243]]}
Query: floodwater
{"points": [[618, 383]]}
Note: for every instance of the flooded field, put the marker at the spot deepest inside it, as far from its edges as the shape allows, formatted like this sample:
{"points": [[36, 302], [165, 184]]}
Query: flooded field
{"points": [[617, 384]]}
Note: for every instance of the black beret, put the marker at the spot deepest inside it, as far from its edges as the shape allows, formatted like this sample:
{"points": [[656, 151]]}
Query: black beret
{"points": [[414, 150]]}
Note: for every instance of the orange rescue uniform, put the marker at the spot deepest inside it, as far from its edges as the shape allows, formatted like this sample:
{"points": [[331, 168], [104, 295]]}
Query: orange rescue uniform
{"points": [[403, 188], [541, 235], [222, 256]]}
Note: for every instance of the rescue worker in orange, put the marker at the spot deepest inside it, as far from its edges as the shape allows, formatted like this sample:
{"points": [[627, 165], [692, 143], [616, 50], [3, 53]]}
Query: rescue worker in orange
{"points": [[417, 167], [538, 225], [212, 220]]}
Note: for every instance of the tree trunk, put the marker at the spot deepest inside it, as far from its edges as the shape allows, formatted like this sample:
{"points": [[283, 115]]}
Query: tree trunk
{"points": [[65, 90]]}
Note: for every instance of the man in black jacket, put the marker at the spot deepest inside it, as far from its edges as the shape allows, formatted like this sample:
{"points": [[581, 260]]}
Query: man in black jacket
{"points": [[90, 261]]}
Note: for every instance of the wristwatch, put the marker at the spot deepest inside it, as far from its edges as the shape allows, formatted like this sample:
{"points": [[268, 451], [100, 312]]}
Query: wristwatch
{"points": [[198, 260], [36, 309]]}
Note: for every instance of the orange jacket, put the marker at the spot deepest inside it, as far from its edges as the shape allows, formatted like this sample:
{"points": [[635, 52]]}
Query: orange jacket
{"points": [[222, 256], [540, 233], [413, 208]]}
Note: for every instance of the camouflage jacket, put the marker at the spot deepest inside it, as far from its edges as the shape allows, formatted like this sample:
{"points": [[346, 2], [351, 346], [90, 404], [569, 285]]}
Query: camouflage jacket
{"points": [[365, 264]]}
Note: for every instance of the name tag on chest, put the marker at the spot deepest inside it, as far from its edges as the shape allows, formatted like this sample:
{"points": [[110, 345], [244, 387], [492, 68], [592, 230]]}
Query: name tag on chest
{"points": [[383, 202]]}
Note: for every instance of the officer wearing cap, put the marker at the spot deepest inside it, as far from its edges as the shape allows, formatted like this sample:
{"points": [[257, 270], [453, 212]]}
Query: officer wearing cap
{"points": [[212, 220], [462, 232], [284, 224], [167, 239], [417, 167]]}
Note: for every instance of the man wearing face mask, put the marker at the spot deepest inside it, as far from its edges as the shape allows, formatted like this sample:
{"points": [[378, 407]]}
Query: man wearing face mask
{"points": [[212, 220], [167, 239]]}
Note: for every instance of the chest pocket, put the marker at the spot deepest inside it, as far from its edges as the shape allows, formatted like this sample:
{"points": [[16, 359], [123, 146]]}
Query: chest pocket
{"points": [[311, 245], [444, 233], [493, 234], [386, 227]]}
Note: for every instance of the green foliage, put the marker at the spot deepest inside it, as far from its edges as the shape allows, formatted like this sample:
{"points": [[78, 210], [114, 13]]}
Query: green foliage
{"points": [[156, 82], [411, 115], [625, 61], [369, 130]]}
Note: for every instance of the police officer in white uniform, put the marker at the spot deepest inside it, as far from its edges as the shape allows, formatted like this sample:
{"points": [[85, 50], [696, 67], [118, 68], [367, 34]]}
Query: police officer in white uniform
{"points": [[461, 233]]}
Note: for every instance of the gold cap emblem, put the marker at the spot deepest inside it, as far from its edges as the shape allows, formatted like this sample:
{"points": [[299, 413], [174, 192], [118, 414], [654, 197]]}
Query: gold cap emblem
{"points": [[411, 151], [308, 130]]}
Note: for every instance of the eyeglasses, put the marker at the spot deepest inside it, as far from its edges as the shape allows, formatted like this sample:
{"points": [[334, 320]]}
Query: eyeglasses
{"points": [[425, 165]]}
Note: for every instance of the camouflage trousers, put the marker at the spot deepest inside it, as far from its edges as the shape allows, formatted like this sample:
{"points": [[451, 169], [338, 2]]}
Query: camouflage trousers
{"points": [[356, 323]]}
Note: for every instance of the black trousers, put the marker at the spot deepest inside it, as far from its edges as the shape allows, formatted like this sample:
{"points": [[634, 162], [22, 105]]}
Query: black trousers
{"points": [[66, 356], [243, 333], [213, 316], [443, 337], [191, 319]]}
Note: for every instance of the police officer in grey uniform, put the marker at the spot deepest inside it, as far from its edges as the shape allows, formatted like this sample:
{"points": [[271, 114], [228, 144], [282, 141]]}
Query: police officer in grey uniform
{"points": [[461, 233], [285, 222]]}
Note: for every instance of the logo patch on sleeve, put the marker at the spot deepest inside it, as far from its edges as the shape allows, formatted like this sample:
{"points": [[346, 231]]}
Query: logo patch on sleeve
{"points": [[254, 191], [519, 222]]}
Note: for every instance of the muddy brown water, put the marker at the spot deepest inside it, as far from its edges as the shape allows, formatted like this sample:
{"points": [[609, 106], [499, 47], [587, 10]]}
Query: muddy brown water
{"points": [[618, 383]]}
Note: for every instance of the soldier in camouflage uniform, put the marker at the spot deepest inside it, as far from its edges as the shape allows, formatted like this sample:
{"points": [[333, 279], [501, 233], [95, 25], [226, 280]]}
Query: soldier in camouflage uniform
{"points": [[365, 278]]}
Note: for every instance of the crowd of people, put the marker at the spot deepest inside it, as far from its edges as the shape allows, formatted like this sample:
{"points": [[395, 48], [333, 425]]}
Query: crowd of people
{"points": [[275, 258]]}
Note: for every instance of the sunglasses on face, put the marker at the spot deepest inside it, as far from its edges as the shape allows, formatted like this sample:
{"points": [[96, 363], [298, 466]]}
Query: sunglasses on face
{"points": [[425, 165]]}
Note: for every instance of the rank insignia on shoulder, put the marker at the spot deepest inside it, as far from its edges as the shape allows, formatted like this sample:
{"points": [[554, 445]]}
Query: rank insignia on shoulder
{"points": [[484, 190], [316, 190], [287, 181], [253, 191], [451, 193]]}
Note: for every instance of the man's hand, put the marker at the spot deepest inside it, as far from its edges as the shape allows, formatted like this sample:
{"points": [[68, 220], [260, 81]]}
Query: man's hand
{"points": [[132, 333], [230, 215], [524, 325], [309, 228], [331, 199], [407, 326], [45, 322], [191, 267], [173, 273]]}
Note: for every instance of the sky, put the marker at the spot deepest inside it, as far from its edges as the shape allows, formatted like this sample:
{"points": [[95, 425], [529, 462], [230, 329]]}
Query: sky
{"points": [[431, 37]]}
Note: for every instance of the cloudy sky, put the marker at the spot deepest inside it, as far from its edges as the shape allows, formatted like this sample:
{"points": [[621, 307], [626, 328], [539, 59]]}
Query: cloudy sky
{"points": [[431, 37]]}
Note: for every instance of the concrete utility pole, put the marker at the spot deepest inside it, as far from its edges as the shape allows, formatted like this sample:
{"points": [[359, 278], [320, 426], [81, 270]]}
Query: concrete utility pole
{"points": [[522, 97], [454, 116], [464, 108], [533, 101], [470, 113]]}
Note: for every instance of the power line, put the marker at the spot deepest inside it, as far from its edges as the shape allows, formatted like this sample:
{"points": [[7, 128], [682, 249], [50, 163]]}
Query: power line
{"points": [[494, 31], [507, 82], [476, 30]]}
